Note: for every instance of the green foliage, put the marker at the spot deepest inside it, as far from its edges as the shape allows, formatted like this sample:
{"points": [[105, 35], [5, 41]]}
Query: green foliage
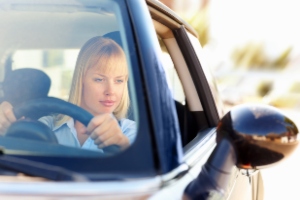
{"points": [[199, 21], [264, 88], [253, 55]]}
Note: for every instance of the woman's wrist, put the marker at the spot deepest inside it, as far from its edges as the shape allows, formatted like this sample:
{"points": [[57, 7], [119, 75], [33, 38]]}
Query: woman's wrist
{"points": [[125, 143]]}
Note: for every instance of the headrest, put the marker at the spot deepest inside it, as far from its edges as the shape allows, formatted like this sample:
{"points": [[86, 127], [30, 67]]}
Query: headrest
{"points": [[24, 84], [115, 35]]}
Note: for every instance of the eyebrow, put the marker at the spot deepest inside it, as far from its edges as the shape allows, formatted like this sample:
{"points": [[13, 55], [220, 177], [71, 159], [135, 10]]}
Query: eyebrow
{"points": [[114, 77]]}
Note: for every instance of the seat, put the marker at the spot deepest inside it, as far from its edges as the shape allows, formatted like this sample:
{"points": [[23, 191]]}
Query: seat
{"points": [[24, 84]]}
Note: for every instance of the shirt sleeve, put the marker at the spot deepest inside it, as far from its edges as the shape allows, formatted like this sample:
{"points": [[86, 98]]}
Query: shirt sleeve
{"points": [[129, 129]]}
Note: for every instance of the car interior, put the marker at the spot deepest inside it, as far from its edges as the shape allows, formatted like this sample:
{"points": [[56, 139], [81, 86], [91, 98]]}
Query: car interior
{"points": [[38, 58], [48, 46]]}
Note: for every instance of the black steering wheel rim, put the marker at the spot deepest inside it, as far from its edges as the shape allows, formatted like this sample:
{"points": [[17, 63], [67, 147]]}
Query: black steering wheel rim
{"points": [[37, 108], [51, 105]]}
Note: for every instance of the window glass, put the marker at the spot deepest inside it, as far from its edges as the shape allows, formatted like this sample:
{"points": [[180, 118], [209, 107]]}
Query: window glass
{"points": [[81, 47], [58, 64], [171, 75], [208, 74]]}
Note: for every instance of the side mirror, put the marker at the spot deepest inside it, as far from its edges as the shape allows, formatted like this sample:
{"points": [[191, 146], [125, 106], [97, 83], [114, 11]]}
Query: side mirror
{"points": [[260, 134], [249, 136]]}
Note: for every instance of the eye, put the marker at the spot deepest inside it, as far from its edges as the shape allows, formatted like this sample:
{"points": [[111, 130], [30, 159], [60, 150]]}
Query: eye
{"points": [[99, 79], [120, 80]]}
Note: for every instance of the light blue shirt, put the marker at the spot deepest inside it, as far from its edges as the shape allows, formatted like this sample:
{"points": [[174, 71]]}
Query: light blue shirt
{"points": [[66, 133]]}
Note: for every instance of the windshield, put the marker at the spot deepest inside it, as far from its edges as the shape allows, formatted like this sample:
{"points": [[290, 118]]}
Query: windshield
{"points": [[64, 72]]}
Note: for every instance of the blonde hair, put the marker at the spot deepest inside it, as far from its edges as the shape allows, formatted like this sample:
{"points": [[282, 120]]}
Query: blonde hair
{"points": [[106, 52]]}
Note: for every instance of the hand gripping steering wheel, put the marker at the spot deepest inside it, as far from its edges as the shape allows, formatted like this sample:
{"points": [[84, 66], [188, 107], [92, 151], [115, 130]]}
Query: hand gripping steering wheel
{"points": [[37, 108]]}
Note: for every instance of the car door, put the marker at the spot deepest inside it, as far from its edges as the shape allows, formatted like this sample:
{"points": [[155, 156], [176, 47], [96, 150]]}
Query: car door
{"points": [[197, 101]]}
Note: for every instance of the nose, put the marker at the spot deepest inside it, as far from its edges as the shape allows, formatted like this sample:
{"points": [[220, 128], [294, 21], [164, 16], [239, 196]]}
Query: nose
{"points": [[109, 90]]}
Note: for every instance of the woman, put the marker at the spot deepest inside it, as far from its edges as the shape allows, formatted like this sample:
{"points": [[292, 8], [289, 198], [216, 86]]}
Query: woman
{"points": [[100, 86]]}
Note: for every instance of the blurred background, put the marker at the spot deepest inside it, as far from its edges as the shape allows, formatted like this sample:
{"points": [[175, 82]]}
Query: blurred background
{"points": [[253, 49]]}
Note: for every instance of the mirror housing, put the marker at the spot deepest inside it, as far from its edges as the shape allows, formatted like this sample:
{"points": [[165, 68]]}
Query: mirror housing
{"points": [[250, 136], [260, 134]]}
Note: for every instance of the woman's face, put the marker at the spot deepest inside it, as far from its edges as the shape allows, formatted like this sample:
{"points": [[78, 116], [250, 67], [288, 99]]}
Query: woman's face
{"points": [[102, 92]]}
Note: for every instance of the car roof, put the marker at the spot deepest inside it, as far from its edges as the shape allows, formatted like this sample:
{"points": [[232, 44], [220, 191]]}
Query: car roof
{"points": [[171, 14]]}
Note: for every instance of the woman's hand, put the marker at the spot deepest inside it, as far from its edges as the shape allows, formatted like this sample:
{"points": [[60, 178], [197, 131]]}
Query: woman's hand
{"points": [[105, 131], [7, 116]]}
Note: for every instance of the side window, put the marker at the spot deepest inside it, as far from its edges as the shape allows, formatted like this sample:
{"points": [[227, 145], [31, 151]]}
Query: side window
{"points": [[175, 75], [208, 74], [171, 75]]}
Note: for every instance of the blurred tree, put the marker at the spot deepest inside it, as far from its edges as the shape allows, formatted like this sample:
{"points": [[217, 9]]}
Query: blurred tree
{"points": [[198, 20], [250, 56], [264, 87], [253, 56]]}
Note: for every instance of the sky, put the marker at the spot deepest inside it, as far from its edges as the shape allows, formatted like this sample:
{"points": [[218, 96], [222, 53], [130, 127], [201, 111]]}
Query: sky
{"points": [[233, 23], [274, 23]]}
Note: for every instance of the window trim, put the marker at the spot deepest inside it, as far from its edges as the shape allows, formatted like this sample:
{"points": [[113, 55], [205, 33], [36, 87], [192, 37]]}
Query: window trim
{"points": [[198, 76]]}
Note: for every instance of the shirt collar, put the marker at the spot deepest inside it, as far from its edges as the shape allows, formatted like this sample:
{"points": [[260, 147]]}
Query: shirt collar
{"points": [[69, 123]]}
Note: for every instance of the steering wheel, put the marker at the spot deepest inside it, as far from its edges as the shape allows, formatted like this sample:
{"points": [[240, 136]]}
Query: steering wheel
{"points": [[37, 108]]}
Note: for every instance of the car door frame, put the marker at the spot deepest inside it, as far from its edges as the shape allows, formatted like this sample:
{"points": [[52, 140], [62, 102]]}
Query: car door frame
{"points": [[195, 153]]}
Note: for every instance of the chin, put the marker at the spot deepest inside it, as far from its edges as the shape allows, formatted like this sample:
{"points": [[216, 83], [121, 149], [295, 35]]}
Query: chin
{"points": [[107, 111]]}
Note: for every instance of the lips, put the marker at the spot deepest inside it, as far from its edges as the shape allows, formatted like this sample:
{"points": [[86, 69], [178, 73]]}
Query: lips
{"points": [[107, 103]]}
